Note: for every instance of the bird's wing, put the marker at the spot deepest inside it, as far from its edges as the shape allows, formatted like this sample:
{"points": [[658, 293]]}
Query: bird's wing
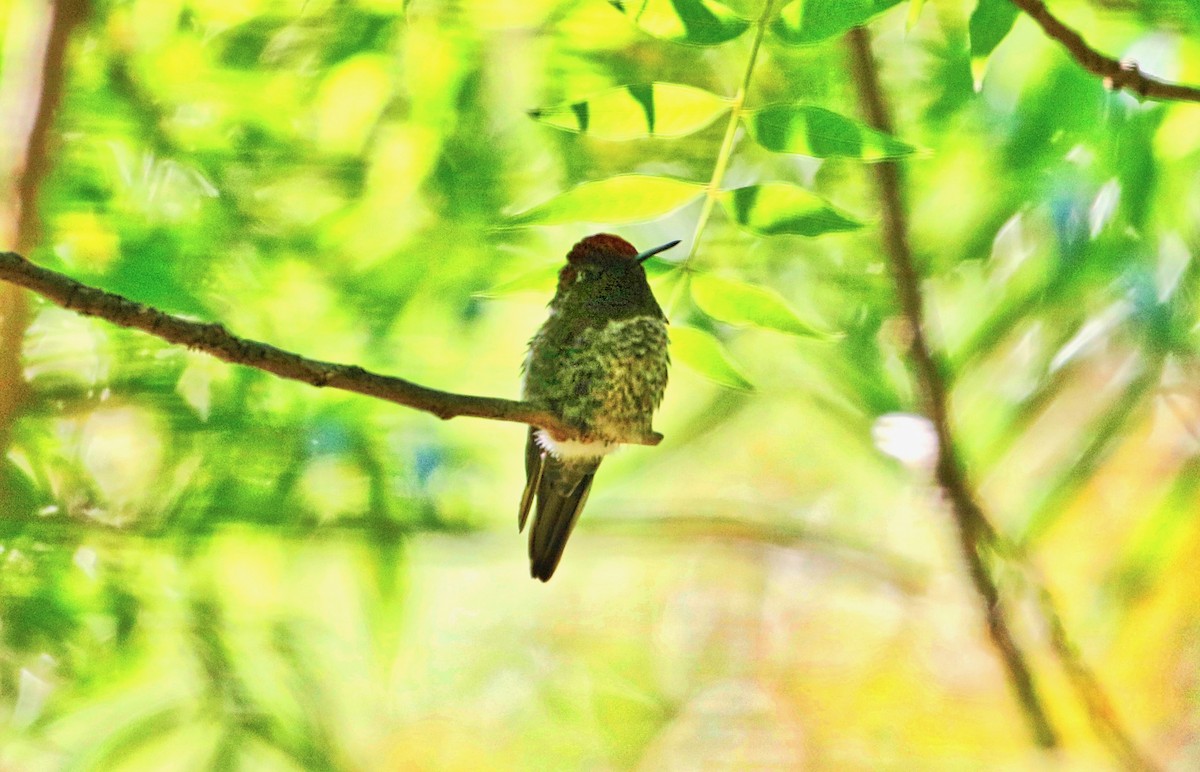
{"points": [[534, 463]]}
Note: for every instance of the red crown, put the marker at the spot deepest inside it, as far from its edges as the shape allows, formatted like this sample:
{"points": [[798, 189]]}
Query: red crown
{"points": [[600, 248]]}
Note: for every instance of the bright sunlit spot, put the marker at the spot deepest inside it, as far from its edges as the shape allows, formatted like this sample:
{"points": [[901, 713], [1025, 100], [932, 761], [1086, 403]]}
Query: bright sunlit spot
{"points": [[910, 439]]}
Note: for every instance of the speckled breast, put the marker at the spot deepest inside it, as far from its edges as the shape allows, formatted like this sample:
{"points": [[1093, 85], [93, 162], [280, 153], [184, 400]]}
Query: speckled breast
{"points": [[610, 379]]}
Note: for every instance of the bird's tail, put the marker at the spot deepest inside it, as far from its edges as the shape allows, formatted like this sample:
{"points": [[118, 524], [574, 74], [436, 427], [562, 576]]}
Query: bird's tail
{"points": [[561, 489]]}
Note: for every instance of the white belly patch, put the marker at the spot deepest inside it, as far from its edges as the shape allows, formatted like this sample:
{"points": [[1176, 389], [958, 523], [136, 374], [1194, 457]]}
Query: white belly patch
{"points": [[573, 448]]}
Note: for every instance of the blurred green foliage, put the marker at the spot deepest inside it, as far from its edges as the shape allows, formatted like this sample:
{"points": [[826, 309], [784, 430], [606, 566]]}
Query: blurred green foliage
{"points": [[204, 567]]}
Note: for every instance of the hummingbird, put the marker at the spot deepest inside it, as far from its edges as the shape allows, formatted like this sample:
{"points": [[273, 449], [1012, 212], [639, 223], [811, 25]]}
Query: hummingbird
{"points": [[600, 362]]}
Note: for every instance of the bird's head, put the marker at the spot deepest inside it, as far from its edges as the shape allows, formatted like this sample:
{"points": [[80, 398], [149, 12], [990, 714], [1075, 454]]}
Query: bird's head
{"points": [[602, 261]]}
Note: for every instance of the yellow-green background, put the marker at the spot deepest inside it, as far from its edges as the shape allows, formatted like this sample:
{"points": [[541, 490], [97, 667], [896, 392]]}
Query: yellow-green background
{"points": [[204, 567]]}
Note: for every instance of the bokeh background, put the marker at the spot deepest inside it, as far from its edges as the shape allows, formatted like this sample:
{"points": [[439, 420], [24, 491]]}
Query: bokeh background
{"points": [[204, 567]]}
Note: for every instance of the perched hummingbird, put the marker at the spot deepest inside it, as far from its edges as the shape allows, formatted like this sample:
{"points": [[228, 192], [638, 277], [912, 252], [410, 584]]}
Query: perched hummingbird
{"points": [[600, 362]]}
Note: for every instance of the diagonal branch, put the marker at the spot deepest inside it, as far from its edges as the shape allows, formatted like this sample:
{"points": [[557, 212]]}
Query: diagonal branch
{"points": [[1117, 75], [216, 340], [974, 531], [1100, 709], [968, 516]]}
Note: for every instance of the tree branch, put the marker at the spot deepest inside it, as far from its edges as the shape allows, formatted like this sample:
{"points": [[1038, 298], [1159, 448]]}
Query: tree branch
{"points": [[969, 519], [215, 340], [33, 87], [1117, 75], [974, 531]]}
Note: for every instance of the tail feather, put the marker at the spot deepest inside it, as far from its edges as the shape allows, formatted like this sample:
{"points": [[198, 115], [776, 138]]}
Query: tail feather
{"points": [[562, 492], [560, 488]]}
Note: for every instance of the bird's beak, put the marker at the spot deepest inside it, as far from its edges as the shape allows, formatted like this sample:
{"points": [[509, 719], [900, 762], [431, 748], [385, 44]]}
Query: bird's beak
{"points": [[643, 256]]}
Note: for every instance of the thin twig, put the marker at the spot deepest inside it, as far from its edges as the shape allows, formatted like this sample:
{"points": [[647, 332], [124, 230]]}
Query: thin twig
{"points": [[1117, 75], [216, 340], [968, 516], [1171, 400], [1100, 709], [1102, 713], [713, 190]]}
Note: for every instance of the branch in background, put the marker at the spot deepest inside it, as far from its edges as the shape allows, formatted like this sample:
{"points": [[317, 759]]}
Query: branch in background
{"points": [[44, 82], [33, 87], [216, 340], [728, 523], [1101, 712], [1117, 75], [974, 530], [968, 516]]}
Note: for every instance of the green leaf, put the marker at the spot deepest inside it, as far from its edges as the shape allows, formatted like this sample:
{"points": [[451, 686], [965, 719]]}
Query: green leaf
{"points": [[778, 207], [631, 112], [990, 23], [694, 22], [817, 132], [704, 353], [540, 279], [810, 21], [741, 303], [622, 199]]}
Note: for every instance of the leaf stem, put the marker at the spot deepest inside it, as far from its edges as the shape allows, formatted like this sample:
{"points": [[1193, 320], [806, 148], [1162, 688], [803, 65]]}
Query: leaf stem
{"points": [[713, 188]]}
